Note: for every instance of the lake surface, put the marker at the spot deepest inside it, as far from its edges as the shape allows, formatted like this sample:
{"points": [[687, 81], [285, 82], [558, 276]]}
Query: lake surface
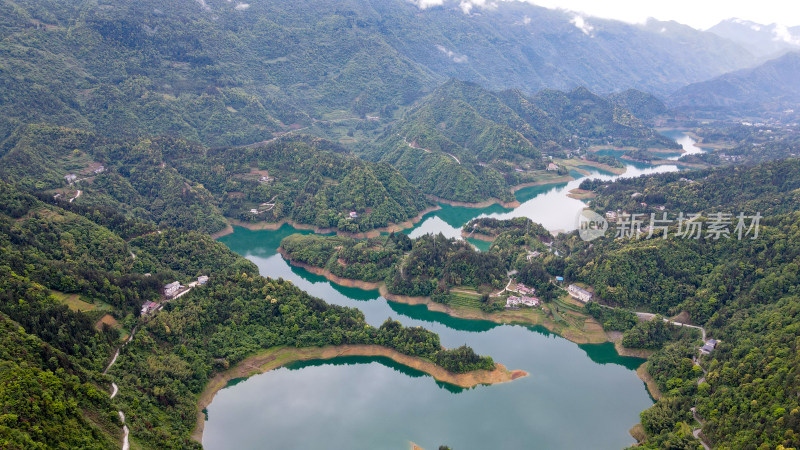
{"points": [[686, 141], [577, 396]]}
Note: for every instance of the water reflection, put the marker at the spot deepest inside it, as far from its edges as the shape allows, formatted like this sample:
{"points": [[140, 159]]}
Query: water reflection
{"points": [[577, 396], [686, 141]]}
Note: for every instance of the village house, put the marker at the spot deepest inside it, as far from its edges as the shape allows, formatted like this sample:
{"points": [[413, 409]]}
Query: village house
{"points": [[70, 177], [202, 279], [172, 289], [515, 301], [525, 290], [149, 307], [579, 293], [708, 347], [353, 215], [552, 167]]}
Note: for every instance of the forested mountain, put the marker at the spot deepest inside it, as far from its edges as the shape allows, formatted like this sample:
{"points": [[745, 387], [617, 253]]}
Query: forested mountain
{"points": [[761, 40], [173, 182], [105, 267], [466, 143], [641, 104], [771, 87], [130, 131], [234, 73], [744, 292]]}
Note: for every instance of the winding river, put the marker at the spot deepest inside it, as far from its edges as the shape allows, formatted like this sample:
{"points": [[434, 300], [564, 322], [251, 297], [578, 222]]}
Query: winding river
{"points": [[577, 396]]}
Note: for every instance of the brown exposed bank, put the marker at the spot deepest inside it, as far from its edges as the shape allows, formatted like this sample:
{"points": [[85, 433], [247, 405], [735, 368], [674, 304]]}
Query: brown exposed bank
{"points": [[279, 356], [391, 228]]}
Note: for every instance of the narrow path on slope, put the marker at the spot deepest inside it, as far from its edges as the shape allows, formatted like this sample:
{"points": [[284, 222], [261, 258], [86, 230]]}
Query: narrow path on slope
{"points": [[115, 390]]}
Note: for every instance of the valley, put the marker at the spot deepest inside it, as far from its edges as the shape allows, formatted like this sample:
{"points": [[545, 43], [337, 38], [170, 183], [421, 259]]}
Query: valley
{"points": [[423, 224]]}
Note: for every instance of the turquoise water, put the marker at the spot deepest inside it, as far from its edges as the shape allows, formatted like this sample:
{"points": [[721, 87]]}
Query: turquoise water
{"points": [[577, 396]]}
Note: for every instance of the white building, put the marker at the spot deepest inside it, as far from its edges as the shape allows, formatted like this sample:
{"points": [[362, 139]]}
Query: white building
{"points": [[172, 289], [579, 293], [524, 300], [202, 279], [149, 307], [525, 290]]}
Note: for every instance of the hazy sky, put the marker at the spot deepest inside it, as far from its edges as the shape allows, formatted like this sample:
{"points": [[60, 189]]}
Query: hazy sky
{"points": [[697, 13], [701, 14]]}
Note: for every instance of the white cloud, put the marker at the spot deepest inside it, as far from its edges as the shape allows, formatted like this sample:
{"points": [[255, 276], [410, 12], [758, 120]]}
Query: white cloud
{"points": [[204, 5], [466, 5], [699, 14], [455, 57], [526, 20], [241, 6], [581, 24], [425, 4], [782, 34]]}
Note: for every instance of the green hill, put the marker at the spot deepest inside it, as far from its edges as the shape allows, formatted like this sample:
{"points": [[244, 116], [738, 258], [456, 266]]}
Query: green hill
{"points": [[465, 143], [173, 182]]}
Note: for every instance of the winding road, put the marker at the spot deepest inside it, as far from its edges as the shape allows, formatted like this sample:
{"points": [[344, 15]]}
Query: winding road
{"points": [[650, 316], [115, 390]]}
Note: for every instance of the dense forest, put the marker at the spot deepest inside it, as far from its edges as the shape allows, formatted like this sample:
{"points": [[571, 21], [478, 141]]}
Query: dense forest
{"points": [[466, 143], [225, 74], [133, 131], [72, 283], [431, 264], [177, 183], [744, 292]]}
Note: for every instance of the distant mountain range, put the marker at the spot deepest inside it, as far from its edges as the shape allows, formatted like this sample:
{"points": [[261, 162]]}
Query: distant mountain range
{"points": [[228, 73], [772, 87], [760, 40]]}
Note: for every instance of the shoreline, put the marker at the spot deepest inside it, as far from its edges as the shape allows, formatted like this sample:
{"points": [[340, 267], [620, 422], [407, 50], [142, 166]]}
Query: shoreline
{"points": [[598, 148], [223, 232], [519, 317], [580, 194], [576, 162], [483, 204], [502, 317], [492, 201], [645, 376], [478, 236], [276, 357], [666, 162], [272, 226], [346, 282]]}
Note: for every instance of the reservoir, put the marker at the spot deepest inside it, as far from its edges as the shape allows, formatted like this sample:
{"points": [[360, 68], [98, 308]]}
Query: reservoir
{"points": [[576, 396]]}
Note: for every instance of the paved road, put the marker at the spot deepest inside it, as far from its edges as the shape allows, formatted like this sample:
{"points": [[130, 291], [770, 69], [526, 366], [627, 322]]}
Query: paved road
{"points": [[650, 316]]}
